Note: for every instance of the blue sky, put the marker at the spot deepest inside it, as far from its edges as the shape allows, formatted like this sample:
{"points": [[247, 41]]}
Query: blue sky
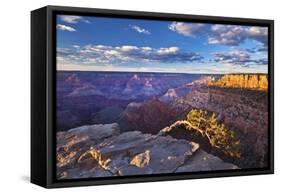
{"points": [[112, 44]]}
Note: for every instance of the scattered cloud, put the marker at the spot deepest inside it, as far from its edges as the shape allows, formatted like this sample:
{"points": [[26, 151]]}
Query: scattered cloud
{"points": [[73, 19], [140, 30], [238, 57], [234, 35], [263, 49], [65, 28], [230, 35], [187, 29], [125, 54], [76, 46], [254, 50]]}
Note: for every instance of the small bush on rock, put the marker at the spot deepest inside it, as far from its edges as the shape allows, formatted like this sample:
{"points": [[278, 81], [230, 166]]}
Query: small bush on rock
{"points": [[206, 125]]}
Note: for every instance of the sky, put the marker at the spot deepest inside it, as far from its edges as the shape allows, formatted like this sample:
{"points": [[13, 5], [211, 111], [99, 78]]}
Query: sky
{"points": [[134, 45]]}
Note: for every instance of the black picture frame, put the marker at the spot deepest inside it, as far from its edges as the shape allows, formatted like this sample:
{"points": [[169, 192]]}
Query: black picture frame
{"points": [[43, 84]]}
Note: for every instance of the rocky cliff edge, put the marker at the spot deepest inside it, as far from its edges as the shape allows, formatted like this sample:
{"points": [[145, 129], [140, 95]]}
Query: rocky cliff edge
{"points": [[102, 151]]}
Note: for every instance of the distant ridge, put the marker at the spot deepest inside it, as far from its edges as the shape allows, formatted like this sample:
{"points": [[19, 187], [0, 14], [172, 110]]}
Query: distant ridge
{"points": [[257, 81]]}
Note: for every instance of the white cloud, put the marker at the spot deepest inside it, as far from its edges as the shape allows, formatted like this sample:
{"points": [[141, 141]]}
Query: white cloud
{"points": [[76, 46], [140, 30], [168, 50], [233, 35], [65, 28], [127, 48], [102, 57], [239, 57], [187, 29], [125, 54], [258, 31], [73, 19]]}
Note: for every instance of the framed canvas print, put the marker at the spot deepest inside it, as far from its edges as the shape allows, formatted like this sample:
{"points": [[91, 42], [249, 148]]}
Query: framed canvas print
{"points": [[125, 96]]}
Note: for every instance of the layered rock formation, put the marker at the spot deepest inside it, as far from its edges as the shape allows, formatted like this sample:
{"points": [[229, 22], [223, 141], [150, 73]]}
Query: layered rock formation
{"points": [[243, 111], [101, 150], [245, 81], [174, 93]]}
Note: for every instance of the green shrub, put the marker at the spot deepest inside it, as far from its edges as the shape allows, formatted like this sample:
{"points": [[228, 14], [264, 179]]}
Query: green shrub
{"points": [[206, 125]]}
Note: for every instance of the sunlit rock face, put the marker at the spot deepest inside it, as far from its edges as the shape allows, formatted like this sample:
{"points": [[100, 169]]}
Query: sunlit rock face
{"points": [[244, 111], [102, 151], [245, 81]]}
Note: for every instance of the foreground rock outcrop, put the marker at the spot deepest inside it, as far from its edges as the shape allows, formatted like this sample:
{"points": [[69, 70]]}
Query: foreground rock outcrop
{"points": [[101, 150]]}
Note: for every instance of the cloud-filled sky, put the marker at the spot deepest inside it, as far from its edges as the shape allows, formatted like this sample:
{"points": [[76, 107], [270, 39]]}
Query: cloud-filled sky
{"points": [[118, 44]]}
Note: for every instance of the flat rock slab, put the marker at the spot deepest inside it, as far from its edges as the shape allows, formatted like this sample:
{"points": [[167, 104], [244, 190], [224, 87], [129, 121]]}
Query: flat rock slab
{"points": [[202, 161], [101, 151], [74, 143], [154, 154]]}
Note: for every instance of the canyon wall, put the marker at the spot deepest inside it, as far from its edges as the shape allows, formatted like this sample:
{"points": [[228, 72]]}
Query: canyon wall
{"points": [[243, 111], [245, 81]]}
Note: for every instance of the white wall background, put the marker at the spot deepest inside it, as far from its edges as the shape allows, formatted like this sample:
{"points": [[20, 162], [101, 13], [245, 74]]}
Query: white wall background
{"points": [[15, 94]]}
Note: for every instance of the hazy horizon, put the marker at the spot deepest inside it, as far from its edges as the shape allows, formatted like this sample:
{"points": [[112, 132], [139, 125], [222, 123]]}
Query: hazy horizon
{"points": [[196, 73]]}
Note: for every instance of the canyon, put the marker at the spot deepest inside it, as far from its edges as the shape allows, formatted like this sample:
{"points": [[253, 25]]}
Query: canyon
{"points": [[119, 124]]}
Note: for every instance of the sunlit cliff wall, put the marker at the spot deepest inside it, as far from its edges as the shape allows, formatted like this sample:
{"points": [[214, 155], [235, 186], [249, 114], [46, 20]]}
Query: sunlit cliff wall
{"points": [[246, 81]]}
